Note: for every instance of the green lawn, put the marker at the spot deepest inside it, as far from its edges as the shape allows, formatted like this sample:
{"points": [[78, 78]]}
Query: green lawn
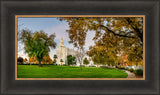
{"points": [[50, 71]]}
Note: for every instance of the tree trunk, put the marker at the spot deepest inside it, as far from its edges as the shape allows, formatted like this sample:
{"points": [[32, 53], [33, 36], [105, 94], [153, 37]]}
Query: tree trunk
{"points": [[40, 65]]}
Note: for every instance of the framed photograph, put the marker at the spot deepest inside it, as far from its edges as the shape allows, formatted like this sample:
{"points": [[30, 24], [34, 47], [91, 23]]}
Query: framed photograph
{"points": [[69, 47], [80, 47]]}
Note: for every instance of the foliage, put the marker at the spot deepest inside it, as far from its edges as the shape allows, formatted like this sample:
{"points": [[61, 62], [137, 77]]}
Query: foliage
{"points": [[25, 60], [85, 61], [119, 67], [104, 66], [92, 66], [100, 55], [138, 72], [61, 60], [20, 60], [32, 59], [117, 35], [131, 70], [37, 44], [77, 34], [55, 59], [126, 68], [47, 59], [71, 60], [55, 56]]}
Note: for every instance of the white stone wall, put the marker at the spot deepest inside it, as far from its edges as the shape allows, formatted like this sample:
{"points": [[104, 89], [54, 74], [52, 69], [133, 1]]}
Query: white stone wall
{"points": [[62, 53]]}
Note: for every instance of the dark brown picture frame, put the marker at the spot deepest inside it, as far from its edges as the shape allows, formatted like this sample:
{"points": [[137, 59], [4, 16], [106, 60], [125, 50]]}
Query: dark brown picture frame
{"points": [[149, 8]]}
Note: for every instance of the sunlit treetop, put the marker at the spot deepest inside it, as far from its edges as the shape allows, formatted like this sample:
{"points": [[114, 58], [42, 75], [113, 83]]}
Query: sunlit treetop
{"points": [[115, 34]]}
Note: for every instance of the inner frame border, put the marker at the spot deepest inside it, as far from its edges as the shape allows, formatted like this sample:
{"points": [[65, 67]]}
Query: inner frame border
{"points": [[45, 16]]}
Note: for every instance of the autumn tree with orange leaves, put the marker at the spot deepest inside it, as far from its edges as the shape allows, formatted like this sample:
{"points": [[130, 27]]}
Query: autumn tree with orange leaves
{"points": [[117, 35]]}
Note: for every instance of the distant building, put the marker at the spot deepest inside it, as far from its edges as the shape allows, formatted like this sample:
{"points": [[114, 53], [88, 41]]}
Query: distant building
{"points": [[63, 52]]}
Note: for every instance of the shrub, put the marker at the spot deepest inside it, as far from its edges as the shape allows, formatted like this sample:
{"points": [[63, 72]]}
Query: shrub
{"points": [[34, 64], [92, 66], [138, 72], [131, 70], [113, 64], [118, 67], [64, 65], [103, 66], [82, 65], [126, 68], [121, 67], [71, 60], [21, 63], [85, 61]]}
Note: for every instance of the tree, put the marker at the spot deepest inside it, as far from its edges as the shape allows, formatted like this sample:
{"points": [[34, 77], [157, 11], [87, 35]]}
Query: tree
{"points": [[47, 59], [71, 60], [55, 57], [25, 60], [85, 61], [37, 44], [77, 35], [61, 62], [98, 55], [54, 61], [80, 55], [120, 33], [32, 60], [19, 60]]}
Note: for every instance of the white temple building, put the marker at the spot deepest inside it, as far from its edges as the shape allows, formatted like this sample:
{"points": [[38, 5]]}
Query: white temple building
{"points": [[63, 52]]}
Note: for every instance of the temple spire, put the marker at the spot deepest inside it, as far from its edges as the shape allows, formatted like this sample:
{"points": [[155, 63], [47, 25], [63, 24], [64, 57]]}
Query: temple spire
{"points": [[61, 42]]}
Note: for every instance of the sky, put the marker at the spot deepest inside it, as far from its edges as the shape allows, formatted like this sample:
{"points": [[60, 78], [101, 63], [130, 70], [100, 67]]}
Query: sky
{"points": [[50, 25]]}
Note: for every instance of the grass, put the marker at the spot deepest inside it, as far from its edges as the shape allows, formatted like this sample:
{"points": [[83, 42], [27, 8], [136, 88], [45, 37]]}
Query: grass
{"points": [[51, 71]]}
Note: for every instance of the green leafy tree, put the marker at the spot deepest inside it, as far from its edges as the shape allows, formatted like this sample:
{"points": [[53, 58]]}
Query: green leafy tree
{"points": [[61, 61], [85, 61], [55, 59], [37, 44], [71, 60]]}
